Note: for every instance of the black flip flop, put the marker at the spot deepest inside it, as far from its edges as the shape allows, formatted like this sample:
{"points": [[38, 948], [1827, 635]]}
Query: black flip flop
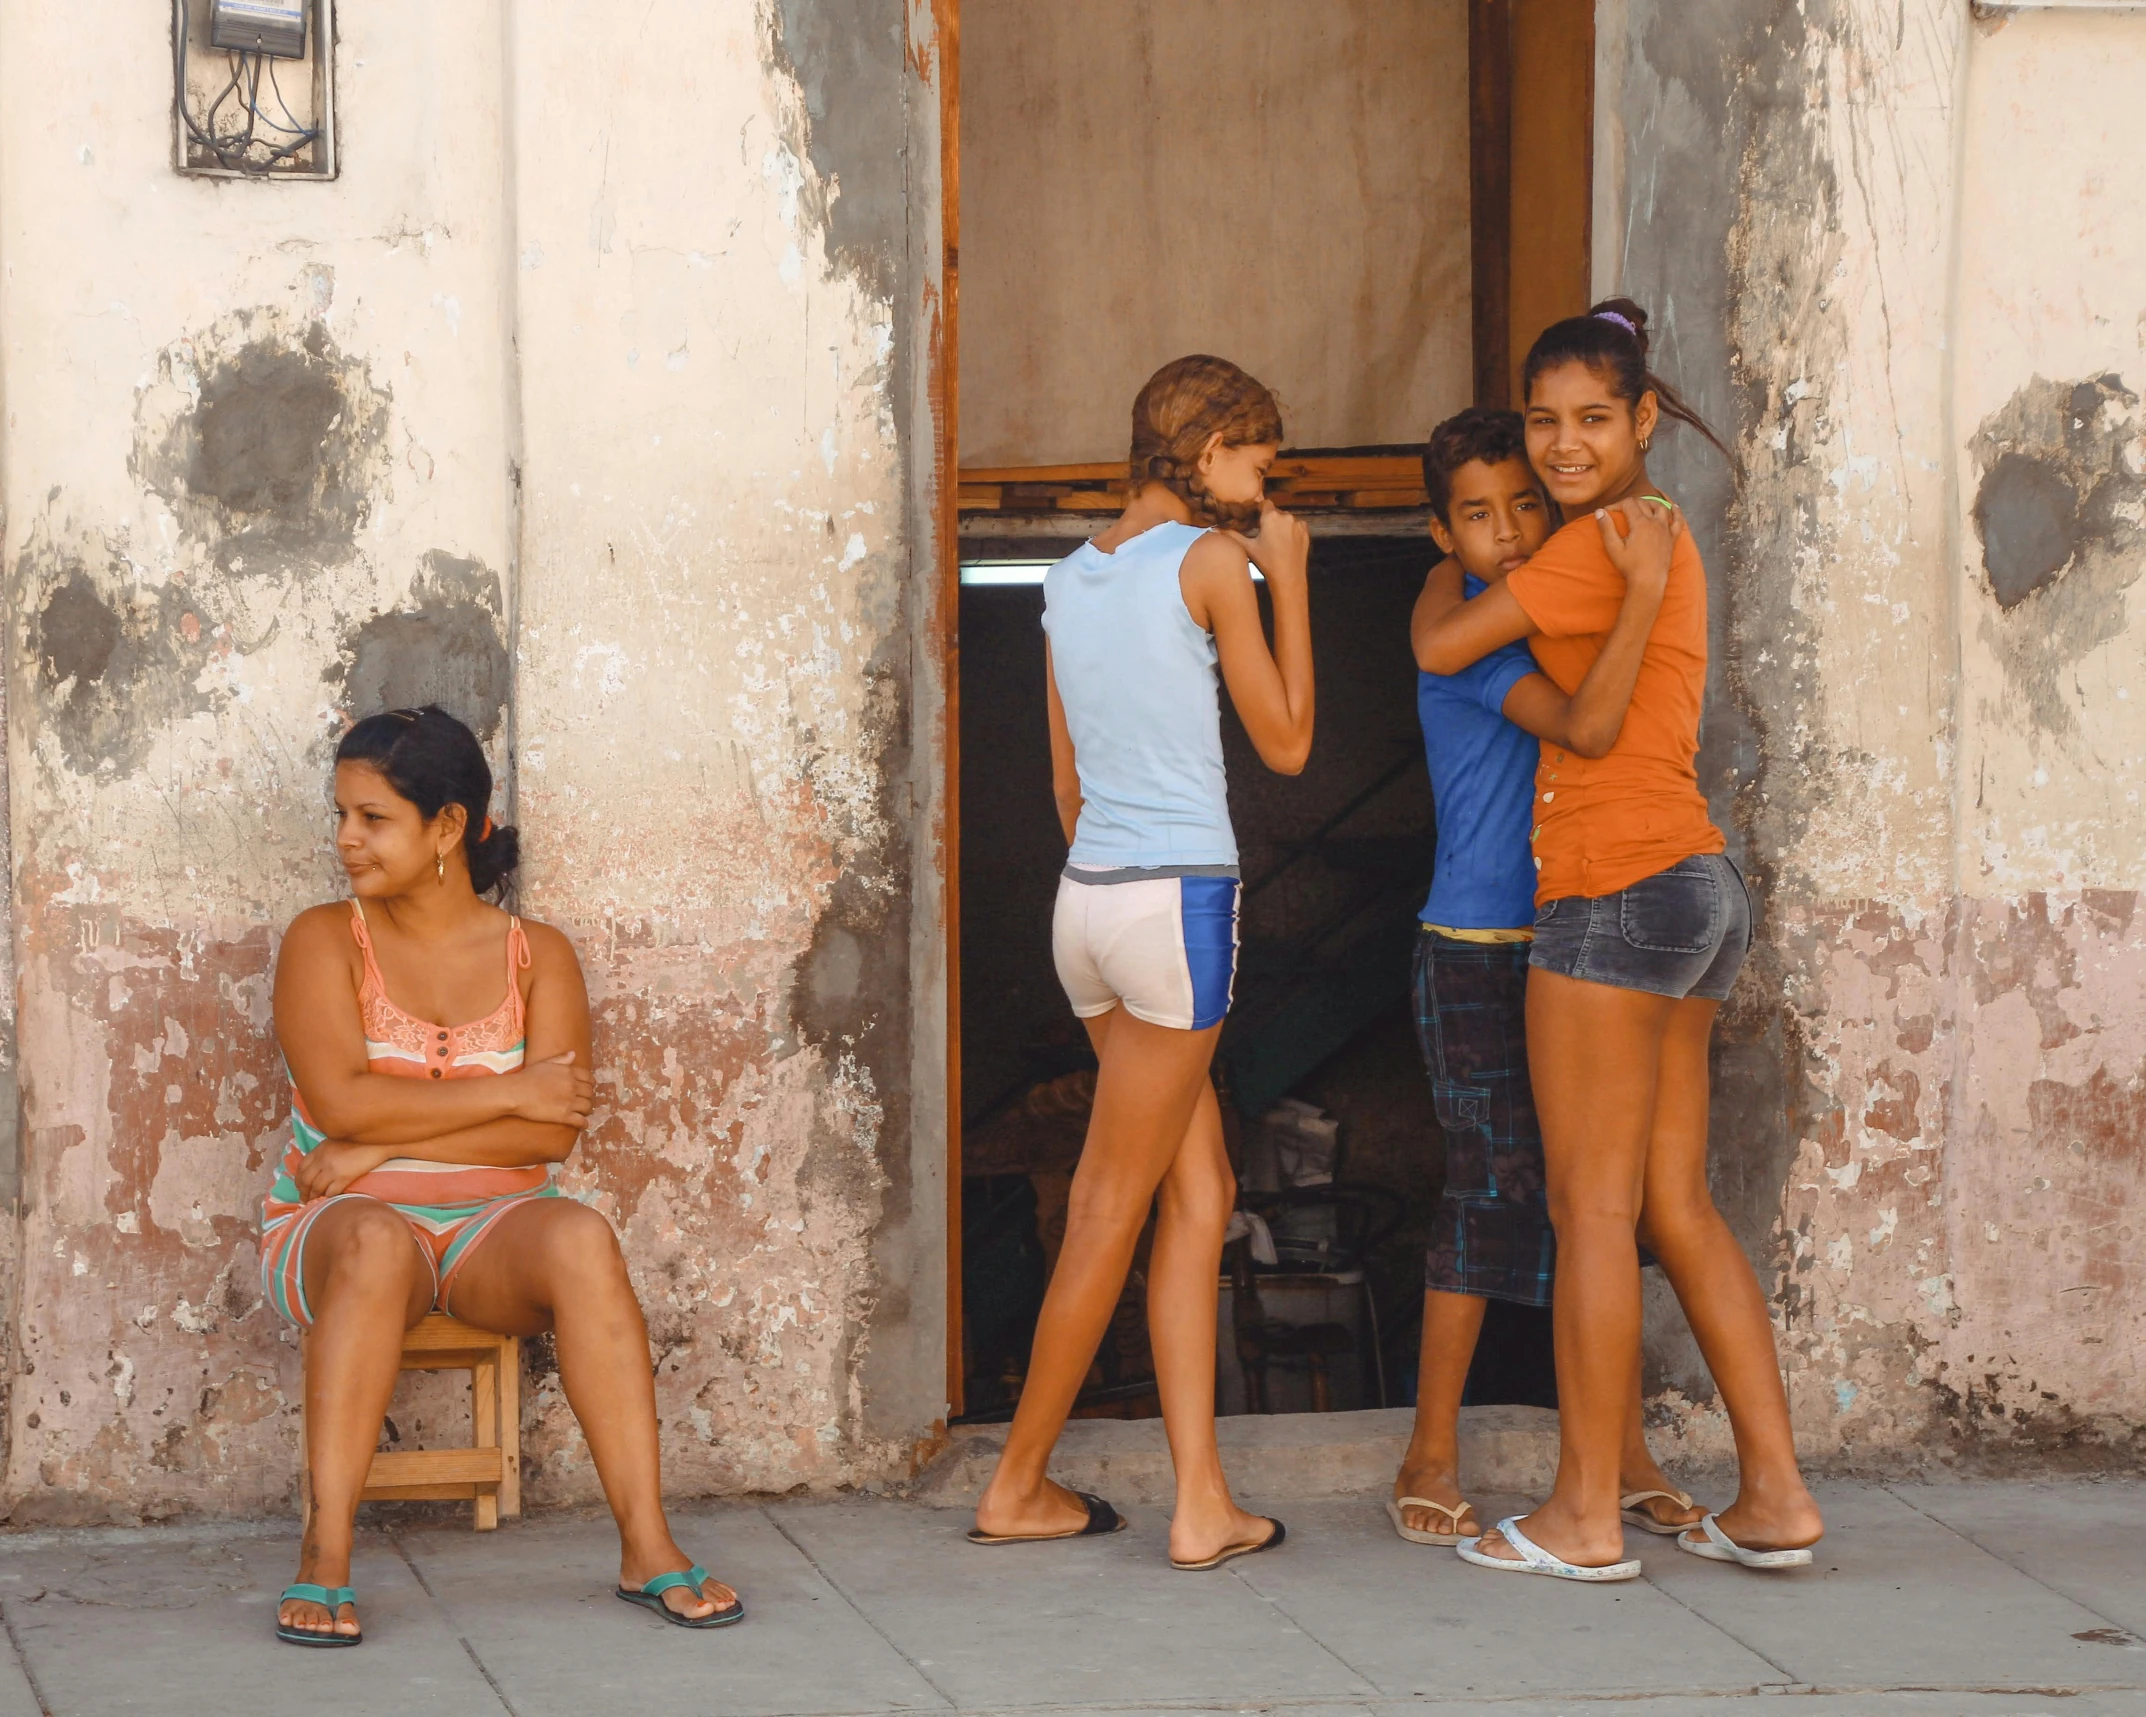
{"points": [[1102, 1518], [1231, 1552]]}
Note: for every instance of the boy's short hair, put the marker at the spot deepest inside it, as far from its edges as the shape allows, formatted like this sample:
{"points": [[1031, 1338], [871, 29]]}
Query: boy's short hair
{"points": [[1477, 433]]}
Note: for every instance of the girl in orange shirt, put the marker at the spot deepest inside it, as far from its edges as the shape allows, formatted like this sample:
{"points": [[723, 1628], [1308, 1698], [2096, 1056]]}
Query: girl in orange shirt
{"points": [[1641, 925]]}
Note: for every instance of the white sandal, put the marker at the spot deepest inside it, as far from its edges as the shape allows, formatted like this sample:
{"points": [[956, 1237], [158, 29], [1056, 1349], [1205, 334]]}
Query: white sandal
{"points": [[1416, 1535], [1534, 1559], [1717, 1546], [1632, 1514]]}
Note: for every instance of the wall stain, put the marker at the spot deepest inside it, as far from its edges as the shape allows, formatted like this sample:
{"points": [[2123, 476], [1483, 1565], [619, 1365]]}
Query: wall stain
{"points": [[117, 657], [848, 63], [266, 440], [443, 645], [2061, 512]]}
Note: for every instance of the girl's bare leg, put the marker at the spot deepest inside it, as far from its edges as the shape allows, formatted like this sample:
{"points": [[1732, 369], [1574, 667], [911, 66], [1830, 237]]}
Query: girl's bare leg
{"points": [[555, 1265], [1451, 1325], [1721, 1297], [1593, 1056], [1638, 1468], [1184, 1274], [366, 1282], [1147, 1087]]}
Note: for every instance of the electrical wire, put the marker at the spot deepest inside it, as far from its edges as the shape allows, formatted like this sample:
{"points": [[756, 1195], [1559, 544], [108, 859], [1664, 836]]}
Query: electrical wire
{"points": [[246, 151]]}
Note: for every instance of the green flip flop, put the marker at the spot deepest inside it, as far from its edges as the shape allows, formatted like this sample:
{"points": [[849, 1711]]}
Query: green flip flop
{"points": [[650, 1597], [330, 1598]]}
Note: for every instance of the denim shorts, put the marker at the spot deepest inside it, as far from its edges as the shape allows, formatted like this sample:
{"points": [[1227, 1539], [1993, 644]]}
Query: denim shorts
{"points": [[1682, 932]]}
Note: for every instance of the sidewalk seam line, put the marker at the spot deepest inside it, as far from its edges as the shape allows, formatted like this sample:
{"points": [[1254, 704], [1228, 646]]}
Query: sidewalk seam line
{"points": [[22, 1660], [835, 1586], [1379, 1687], [1794, 1681], [1974, 1543], [408, 1561]]}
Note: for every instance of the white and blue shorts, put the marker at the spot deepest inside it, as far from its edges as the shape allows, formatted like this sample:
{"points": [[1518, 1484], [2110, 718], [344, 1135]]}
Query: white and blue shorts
{"points": [[1164, 947]]}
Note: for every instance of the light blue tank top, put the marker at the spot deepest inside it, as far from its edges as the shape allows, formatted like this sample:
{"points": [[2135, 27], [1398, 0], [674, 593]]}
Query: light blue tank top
{"points": [[1136, 675]]}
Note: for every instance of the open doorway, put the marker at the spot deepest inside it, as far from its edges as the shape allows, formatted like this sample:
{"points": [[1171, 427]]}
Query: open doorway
{"points": [[1360, 201]]}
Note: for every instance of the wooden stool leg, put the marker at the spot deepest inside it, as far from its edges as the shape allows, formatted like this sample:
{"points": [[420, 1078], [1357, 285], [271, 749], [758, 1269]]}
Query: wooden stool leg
{"points": [[510, 1427], [484, 1414]]}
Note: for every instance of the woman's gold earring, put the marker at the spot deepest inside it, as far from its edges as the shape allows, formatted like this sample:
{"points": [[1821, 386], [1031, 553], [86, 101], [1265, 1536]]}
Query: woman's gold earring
{"points": [[439, 865], [1645, 442]]}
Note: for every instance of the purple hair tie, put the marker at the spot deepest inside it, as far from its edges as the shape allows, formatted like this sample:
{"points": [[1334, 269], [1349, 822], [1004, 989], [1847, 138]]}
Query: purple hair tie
{"points": [[1624, 322]]}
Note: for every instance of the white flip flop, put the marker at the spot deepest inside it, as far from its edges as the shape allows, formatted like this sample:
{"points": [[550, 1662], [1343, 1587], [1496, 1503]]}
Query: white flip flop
{"points": [[1632, 1514], [1534, 1559], [1415, 1534], [1717, 1546]]}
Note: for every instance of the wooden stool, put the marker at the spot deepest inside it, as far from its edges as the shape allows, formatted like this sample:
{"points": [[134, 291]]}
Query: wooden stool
{"points": [[489, 1473]]}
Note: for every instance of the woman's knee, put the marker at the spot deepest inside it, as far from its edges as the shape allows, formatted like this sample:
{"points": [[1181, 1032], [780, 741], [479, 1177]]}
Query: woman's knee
{"points": [[1667, 1222], [1203, 1196], [1109, 1194], [582, 1247], [369, 1242], [1579, 1213]]}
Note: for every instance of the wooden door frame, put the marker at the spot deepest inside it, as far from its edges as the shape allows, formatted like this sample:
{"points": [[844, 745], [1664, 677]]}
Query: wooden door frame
{"points": [[946, 380], [1504, 114], [1490, 195]]}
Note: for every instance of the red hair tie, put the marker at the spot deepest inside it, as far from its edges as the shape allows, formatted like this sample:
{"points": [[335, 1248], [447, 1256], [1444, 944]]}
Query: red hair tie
{"points": [[485, 833]]}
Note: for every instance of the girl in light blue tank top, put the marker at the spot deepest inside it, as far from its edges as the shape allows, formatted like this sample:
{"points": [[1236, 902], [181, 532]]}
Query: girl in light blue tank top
{"points": [[1145, 930], [1136, 677]]}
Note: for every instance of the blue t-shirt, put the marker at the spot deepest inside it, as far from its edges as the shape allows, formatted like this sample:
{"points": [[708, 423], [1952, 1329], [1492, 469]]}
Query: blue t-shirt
{"points": [[1483, 782]]}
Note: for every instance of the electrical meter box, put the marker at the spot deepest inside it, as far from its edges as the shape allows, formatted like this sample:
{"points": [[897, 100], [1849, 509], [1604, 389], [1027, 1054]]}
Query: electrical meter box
{"points": [[253, 89], [273, 27]]}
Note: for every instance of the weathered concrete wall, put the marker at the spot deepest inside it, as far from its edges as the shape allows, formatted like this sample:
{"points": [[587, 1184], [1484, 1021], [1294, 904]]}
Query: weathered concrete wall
{"points": [[715, 706], [582, 402], [1896, 253], [1284, 184]]}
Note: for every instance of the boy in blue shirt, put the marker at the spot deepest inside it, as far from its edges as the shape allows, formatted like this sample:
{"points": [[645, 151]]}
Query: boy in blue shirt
{"points": [[1482, 734]]}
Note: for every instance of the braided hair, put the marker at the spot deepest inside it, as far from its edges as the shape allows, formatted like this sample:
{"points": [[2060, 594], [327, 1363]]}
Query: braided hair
{"points": [[1184, 405]]}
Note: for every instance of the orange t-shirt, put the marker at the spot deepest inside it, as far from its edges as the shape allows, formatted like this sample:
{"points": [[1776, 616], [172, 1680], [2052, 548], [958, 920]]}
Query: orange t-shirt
{"points": [[1603, 823]]}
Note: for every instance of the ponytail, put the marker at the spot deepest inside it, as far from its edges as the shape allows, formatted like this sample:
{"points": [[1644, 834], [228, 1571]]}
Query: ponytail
{"points": [[1611, 340]]}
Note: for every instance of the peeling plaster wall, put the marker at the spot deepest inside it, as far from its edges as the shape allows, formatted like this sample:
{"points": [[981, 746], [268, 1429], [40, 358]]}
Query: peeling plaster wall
{"points": [[715, 704], [582, 402], [1897, 254]]}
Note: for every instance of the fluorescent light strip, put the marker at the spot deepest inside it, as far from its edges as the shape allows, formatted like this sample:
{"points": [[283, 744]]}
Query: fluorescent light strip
{"points": [[1005, 571], [1021, 572]]}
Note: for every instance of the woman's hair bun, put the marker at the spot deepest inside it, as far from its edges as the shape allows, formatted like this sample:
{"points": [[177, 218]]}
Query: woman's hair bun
{"points": [[433, 760], [493, 858]]}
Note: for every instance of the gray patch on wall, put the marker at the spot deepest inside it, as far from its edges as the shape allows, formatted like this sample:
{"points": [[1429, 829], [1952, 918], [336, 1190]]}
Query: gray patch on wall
{"points": [[1730, 226], [847, 59], [2060, 509], [267, 441], [115, 662], [442, 646]]}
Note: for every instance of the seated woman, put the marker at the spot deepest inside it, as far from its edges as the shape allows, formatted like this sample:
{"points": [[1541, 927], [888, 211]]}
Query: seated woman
{"points": [[430, 1113]]}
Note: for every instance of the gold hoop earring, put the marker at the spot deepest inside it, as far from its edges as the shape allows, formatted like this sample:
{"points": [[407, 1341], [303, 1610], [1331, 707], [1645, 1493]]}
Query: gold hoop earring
{"points": [[1645, 442], [439, 865]]}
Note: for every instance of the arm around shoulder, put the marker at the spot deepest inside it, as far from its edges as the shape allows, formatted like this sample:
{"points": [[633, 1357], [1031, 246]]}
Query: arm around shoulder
{"points": [[1464, 634]]}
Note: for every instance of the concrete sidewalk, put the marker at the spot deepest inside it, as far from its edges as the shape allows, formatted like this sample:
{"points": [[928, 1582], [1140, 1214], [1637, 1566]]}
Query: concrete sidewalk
{"points": [[1938, 1600]]}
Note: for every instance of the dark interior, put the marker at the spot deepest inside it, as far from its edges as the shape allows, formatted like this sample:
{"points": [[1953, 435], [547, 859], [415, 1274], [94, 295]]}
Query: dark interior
{"points": [[1336, 862]]}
